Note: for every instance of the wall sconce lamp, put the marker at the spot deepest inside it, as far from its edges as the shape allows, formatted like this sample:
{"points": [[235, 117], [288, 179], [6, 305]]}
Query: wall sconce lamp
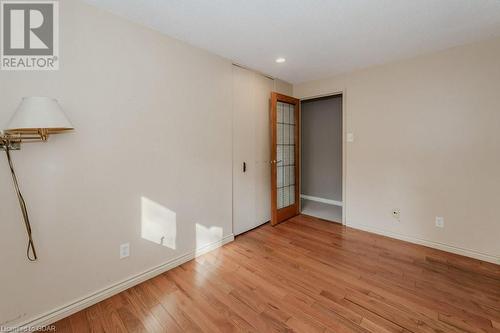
{"points": [[35, 120]]}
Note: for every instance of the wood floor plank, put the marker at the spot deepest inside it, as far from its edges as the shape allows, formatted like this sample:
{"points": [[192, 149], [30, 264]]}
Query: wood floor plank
{"points": [[308, 275]]}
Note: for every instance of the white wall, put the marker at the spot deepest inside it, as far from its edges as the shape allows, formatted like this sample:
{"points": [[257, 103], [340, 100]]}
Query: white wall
{"points": [[153, 138], [427, 141]]}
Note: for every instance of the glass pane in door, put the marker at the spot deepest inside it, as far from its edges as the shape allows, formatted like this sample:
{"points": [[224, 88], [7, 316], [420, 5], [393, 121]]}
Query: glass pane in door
{"points": [[285, 154]]}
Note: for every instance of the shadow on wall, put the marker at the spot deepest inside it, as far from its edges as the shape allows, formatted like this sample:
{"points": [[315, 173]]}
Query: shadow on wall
{"points": [[159, 225]]}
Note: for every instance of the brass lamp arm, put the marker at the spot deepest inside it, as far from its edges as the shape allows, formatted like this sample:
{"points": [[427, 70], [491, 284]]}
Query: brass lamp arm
{"points": [[31, 136]]}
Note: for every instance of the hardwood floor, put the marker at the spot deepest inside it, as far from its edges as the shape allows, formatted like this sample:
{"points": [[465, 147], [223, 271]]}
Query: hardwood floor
{"points": [[308, 275]]}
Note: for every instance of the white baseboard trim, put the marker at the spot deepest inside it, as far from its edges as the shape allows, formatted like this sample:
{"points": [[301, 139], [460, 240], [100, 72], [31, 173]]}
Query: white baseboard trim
{"points": [[435, 245], [323, 200], [89, 300]]}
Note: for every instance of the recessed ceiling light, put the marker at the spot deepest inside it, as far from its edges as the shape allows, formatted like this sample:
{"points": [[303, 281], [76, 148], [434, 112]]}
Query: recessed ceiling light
{"points": [[280, 60]]}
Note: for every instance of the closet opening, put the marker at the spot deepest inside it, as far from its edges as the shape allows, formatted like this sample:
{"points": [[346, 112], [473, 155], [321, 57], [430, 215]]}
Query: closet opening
{"points": [[322, 158]]}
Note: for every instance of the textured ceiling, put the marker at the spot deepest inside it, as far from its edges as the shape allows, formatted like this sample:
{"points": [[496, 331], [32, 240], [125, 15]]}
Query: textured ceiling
{"points": [[318, 38]]}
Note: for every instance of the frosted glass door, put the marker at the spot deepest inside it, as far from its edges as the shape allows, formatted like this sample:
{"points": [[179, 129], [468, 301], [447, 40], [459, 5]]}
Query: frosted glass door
{"points": [[285, 155], [285, 162]]}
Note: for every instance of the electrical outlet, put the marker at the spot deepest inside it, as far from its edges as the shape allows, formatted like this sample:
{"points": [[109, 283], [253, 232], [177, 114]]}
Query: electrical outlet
{"points": [[439, 222], [124, 250], [396, 214]]}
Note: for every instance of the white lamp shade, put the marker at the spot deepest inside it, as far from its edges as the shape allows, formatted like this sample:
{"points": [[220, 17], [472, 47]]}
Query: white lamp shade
{"points": [[39, 113]]}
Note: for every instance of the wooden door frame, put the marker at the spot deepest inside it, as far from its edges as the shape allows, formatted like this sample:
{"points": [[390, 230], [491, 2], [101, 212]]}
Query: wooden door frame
{"points": [[295, 209], [341, 92]]}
